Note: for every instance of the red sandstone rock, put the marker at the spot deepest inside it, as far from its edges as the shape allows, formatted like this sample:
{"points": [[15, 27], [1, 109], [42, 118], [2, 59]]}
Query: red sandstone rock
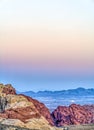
{"points": [[42, 109], [20, 113], [8, 89], [74, 114], [25, 113], [91, 109]]}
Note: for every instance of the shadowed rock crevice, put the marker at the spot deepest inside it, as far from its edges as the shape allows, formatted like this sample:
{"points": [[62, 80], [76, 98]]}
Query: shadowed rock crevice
{"points": [[3, 104]]}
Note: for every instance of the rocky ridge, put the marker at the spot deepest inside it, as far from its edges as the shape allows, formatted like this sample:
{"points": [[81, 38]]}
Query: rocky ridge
{"points": [[73, 115], [24, 111]]}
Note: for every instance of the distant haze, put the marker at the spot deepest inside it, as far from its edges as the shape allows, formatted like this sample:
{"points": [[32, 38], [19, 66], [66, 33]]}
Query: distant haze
{"points": [[47, 44]]}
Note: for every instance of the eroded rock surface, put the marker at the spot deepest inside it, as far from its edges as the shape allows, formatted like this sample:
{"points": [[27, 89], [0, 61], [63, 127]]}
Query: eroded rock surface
{"points": [[8, 89], [24, 111], [42, 109], [73, 115]]}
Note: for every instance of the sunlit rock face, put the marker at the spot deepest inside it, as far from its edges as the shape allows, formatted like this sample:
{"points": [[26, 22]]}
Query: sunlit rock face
{"points": [[42, 109], [8, 89], [23, 111], [73, 115]]}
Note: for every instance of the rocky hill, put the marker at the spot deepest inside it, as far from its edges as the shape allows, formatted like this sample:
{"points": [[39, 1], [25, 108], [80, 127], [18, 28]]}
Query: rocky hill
{"points": [[23, 111], [73, 115]]}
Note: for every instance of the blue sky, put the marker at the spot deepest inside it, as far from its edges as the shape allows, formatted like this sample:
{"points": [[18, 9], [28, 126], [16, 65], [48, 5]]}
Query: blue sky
{"points": [[23, 81]]}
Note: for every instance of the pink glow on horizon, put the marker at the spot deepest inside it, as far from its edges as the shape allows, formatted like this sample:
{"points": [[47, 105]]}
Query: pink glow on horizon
{"points": [[56, 37]]}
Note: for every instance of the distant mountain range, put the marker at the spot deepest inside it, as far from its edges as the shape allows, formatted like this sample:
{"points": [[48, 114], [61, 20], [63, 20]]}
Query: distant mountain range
{"points": [[70, 92]]}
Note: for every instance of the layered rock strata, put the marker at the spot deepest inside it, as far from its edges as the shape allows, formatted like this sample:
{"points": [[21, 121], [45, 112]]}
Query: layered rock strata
{"points": [[24, 111]]}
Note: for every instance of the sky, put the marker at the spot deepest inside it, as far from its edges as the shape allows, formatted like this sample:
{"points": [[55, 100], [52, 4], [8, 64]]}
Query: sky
{"points": [[47, 44]]}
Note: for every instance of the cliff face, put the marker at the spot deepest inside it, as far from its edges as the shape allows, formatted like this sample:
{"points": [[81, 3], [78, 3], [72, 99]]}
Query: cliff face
{"points": [[42, 109], [24, 111], [73, 115]]}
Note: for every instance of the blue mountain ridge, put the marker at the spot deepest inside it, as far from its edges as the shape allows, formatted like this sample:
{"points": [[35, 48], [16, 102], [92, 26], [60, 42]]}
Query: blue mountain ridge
{"points": [[70, 92]]}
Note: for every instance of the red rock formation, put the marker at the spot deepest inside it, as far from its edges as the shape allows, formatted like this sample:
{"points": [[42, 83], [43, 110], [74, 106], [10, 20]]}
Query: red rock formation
{"points": [[91, 109], [20, 113], [74, 114], [8, 89], [42, 109], [24, 113]]}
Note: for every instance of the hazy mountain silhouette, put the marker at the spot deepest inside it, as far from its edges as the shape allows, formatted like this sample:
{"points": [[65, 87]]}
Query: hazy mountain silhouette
{"points": [[70, 92]]}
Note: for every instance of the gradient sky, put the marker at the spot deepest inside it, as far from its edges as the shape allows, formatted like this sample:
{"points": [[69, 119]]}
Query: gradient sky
{"points": [[47, 44]]}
